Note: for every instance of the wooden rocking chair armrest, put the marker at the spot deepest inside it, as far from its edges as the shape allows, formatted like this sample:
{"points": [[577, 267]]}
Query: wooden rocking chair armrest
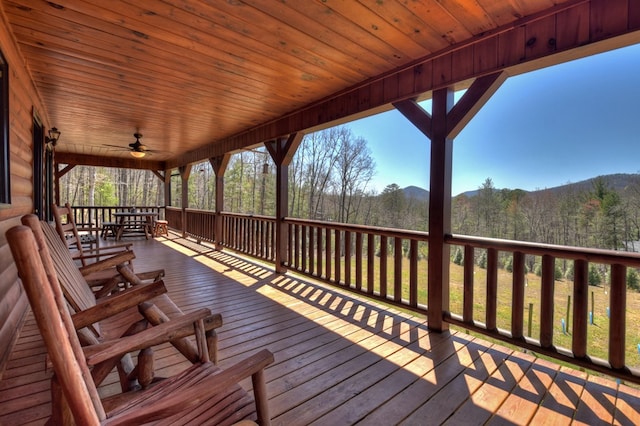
{"points": [[112, 283], [137, 278], [117, 302], [154, 275], [103, 264], [107, 250], [178, 327], [170, 404]]}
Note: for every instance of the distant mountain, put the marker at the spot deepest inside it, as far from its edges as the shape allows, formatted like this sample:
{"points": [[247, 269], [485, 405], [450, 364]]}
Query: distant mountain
{"points": [[618, 182], [416, 193]]}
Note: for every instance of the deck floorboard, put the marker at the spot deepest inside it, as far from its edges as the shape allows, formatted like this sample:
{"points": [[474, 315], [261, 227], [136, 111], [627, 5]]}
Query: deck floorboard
{"points": [[339, 359]]}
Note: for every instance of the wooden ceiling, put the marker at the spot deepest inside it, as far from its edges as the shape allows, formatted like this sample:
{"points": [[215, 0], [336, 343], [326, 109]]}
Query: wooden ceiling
{"points": [[189, 73]]}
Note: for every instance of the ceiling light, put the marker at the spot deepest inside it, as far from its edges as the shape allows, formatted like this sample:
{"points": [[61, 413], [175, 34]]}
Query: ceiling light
{"points": [[137, 154]]}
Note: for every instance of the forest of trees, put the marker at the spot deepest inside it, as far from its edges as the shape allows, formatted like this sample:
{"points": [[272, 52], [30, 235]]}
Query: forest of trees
{"points": [[330, 178], [601, 214]]}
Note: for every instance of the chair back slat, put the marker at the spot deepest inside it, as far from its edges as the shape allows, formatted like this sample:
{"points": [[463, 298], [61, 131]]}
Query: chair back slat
{"points": [[68, 230], [55, 325], [74, 286]]}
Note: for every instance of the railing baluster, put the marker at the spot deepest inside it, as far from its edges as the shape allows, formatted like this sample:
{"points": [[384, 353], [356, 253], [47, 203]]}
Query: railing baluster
{"points": [[383, 266], [397, 269], [312, 248], [517, 300], [546, 300], [291, 236], [328, 246], [492, 288], [413, 273], [296, 233], [371, 258], [467, 303], [617, 311], [338, 256], [347, 258], [359, 261], [580, 307], [319, 250], [303, 244]]}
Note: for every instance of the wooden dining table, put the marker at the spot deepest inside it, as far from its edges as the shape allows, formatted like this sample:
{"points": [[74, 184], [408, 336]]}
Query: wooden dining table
{"points": [[135, 223]]}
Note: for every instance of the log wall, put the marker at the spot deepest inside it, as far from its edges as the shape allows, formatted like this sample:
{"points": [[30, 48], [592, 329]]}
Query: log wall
{"points": [[23, 100]]}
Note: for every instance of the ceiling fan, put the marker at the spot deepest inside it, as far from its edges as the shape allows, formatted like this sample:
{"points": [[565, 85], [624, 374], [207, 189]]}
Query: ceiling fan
{"points": [[136, 149]]}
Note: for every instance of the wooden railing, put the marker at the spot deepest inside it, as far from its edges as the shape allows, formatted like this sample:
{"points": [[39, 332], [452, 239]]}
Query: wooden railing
{"points": [[379, 262], [174, 216], [578, 316], [96, 216], [200, 224], [391, 265], [249, 234]]}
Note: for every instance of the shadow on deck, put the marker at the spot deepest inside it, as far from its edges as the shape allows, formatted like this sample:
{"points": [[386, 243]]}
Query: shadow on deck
{"points": [[340, 359]]}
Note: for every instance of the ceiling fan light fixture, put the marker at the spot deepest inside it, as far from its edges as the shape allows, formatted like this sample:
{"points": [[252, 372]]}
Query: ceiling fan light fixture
{"points": [[137, 154]]}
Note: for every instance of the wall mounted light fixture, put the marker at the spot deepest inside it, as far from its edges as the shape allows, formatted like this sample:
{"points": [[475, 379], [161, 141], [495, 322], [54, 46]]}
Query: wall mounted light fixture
{"points": [[54, 135]]}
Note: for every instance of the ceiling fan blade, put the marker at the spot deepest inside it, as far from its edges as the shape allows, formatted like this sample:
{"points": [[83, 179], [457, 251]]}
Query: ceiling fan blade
{"points": [[117, 146]]}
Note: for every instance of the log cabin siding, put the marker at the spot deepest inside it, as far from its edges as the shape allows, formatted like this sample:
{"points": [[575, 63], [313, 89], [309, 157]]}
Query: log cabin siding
{"points": [[23, 99]]}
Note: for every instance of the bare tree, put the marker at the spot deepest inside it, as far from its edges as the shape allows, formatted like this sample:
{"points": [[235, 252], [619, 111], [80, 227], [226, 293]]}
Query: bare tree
{"points": [[354, 167]]}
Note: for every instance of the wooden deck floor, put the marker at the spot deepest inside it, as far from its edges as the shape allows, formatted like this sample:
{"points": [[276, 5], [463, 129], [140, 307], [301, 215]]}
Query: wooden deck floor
{"points": [[341, 360]]}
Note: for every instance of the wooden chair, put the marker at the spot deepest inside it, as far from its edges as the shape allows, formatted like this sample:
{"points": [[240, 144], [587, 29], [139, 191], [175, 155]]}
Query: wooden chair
{"points": [[85, 247], [201, 394], [122, 313], [160, 227], [93, 265]]}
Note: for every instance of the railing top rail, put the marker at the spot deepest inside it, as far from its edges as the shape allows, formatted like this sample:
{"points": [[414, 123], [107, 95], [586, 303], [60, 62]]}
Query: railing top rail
{"points": [[249, 216], [390, 232], [565, 252], [205, 211]]}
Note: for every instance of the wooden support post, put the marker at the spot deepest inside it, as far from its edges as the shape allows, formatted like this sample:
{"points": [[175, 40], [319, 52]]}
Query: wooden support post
{"points": [[445, 122], [219, 165], [167, 189], [282, 151], [185, 171], [58, 174]]}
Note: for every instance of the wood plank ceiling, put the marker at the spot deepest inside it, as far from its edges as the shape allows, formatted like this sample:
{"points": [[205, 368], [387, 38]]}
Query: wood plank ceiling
{"points": [[187, 73]]}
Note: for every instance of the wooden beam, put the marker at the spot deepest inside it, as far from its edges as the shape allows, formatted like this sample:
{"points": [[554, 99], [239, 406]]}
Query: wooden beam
{"points": [[160, 174], [416, 115], [474, 98], [95, 160]]}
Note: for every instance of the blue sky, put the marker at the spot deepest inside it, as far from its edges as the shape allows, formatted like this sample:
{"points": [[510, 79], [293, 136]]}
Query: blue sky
{"points": [[546, 128]]}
